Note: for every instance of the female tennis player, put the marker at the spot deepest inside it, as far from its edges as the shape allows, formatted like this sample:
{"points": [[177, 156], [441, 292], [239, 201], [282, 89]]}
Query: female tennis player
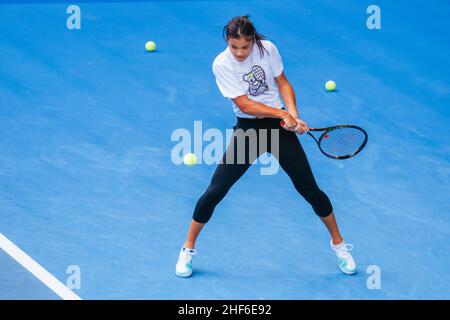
{"points": [[250, 73]]}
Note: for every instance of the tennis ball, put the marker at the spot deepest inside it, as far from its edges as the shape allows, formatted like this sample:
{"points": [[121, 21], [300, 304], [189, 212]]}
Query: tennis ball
{"points": [[190, 159], [150, 46], [330, 85]]}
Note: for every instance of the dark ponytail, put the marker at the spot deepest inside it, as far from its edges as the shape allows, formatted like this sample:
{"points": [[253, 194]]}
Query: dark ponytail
{"points": [[241, 26]]}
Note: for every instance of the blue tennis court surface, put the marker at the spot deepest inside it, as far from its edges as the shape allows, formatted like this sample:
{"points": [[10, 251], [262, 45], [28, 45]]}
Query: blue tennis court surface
{"points": [[87, 180]]}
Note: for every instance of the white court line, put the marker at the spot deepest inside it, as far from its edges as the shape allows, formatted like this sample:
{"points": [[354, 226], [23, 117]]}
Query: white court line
{"points": [[36, 269]]}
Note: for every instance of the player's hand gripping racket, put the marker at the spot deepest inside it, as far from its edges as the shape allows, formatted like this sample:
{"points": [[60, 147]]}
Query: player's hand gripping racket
{"points": [[339, 142]]}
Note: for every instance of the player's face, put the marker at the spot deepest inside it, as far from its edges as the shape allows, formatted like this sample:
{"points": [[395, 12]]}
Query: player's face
{"points": [[240, 48]]}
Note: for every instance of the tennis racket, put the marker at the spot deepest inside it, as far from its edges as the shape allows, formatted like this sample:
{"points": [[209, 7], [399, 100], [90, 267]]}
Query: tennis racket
{"points": [[339, 142]]}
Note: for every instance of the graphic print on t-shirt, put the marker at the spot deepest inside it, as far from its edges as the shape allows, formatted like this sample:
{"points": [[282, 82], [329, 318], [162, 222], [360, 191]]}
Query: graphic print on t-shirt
{"points": [[257, 81]]}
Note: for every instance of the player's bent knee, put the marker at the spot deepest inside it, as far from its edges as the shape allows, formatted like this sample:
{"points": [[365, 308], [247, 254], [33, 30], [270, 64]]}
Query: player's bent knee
{"points": [[320, 203]]}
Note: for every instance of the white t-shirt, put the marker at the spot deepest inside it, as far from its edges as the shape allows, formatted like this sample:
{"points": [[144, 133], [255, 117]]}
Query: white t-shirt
{"points": [[254, 77]]}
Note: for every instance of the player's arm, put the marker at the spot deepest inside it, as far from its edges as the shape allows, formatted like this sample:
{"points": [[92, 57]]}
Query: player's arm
{"points": [[288, 95], [261, 110]]}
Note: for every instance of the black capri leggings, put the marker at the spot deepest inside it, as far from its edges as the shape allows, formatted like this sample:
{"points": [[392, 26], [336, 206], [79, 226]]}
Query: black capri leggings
{"points": [[291, 158]]}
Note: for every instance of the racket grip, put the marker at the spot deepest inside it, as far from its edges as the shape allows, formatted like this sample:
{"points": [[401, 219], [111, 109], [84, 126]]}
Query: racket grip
{"points": [[283, 123]]}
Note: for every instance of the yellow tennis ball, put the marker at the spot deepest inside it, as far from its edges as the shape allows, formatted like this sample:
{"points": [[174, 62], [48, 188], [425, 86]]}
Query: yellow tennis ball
{"points": [[330, 85], [190, 159], [150, 46]]}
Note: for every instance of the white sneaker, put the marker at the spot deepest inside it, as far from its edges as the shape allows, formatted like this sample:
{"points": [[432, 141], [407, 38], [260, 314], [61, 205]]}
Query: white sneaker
{"points": [[345, 259], [184, 265]]}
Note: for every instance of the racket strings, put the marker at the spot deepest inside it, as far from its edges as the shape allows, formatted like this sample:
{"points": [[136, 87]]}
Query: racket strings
{"points": [[342, 142]]}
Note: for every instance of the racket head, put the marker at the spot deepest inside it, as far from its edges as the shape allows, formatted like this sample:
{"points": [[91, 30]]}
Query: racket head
{"points": [[342, 141]]}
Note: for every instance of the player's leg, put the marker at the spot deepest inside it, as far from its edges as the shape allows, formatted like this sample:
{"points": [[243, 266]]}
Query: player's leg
{"points": [[236, 160], [227, 173], [294, 162]]}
